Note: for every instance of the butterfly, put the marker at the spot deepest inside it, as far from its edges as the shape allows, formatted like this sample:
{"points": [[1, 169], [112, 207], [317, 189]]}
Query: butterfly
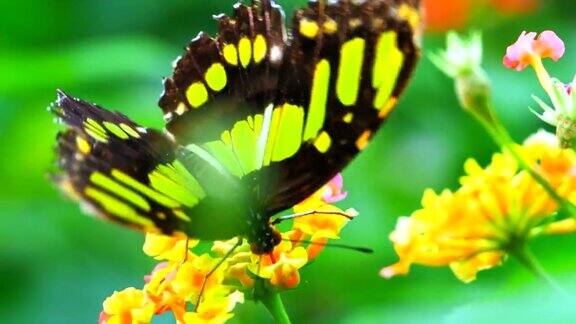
{"points": [[257, 119]]}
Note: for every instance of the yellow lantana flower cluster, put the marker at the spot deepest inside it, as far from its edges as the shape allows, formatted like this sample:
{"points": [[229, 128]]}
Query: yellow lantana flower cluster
{"points": [[206, 287], [494, 212]]}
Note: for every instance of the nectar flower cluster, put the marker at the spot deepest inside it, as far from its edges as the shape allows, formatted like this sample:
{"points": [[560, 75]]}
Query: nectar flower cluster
{"points": [[206, 287], [494, 212]]}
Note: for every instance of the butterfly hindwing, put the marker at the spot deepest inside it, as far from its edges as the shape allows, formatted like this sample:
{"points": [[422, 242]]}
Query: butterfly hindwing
{"points": [[124, 172]]}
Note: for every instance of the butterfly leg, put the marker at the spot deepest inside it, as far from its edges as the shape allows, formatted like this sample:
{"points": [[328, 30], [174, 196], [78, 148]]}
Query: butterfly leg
{"points": [[211, 272]]}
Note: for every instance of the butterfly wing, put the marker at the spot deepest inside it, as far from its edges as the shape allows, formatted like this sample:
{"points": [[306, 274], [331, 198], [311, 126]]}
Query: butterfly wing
{"points": [[135, 176], [287, 114], [347, 65]]}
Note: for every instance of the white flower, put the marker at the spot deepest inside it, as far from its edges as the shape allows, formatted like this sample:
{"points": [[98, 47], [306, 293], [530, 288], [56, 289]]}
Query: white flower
{"points": [[462, 55]]}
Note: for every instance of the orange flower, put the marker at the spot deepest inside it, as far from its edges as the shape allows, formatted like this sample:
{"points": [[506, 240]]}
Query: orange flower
{"points": [[192, 275], [497, 209], [282, 265], [237, 263], [443, 15]]}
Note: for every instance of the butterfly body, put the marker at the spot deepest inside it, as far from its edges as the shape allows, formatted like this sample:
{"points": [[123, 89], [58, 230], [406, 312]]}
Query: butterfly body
{"points": [[258, 119]]}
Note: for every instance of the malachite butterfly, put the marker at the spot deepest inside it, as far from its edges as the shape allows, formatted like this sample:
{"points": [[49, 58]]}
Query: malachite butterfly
{"points": [[257, 119]]}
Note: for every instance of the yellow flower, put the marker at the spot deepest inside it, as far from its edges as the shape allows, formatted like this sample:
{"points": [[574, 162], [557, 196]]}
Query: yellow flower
{"points": [[237, 263], [320, 227], [496, 209], [129, 306], [330, 222], [218, 311], [159, 289], [173, 248]]}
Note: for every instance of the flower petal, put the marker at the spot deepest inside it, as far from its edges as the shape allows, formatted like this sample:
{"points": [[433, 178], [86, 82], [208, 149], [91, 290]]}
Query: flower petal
{"points": [[549, 45], [519, 55]]}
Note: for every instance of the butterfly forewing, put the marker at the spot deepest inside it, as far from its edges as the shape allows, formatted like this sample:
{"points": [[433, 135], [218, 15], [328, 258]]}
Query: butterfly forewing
{"points": [[346, 66], [294, 118], [222, 79]]}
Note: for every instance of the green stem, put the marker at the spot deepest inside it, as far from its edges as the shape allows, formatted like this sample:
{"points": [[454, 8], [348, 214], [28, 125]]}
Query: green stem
{"points": [[529, 261], [274, 304], [270, 297]]}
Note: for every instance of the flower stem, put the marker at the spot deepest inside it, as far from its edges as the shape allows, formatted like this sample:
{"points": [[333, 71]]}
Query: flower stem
{"points": [[274, 304], [542, 74], [271, 299], [529, 261]]}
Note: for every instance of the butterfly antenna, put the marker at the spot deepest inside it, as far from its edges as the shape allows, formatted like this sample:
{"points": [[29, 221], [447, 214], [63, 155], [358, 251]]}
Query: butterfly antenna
{"points": [[360, 249], [211, 272], [310, 213]]}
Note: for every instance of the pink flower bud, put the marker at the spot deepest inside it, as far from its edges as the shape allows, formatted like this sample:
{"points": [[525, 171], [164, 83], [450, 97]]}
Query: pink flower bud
{"points": [[520, 54]]}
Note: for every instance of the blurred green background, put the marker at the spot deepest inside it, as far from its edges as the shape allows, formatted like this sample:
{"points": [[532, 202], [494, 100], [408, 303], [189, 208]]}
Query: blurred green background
{"points": [[57, 265]]}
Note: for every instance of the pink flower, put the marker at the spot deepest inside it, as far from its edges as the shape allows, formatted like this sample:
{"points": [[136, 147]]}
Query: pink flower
{"points": [[333, 190], [522, 53]]}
